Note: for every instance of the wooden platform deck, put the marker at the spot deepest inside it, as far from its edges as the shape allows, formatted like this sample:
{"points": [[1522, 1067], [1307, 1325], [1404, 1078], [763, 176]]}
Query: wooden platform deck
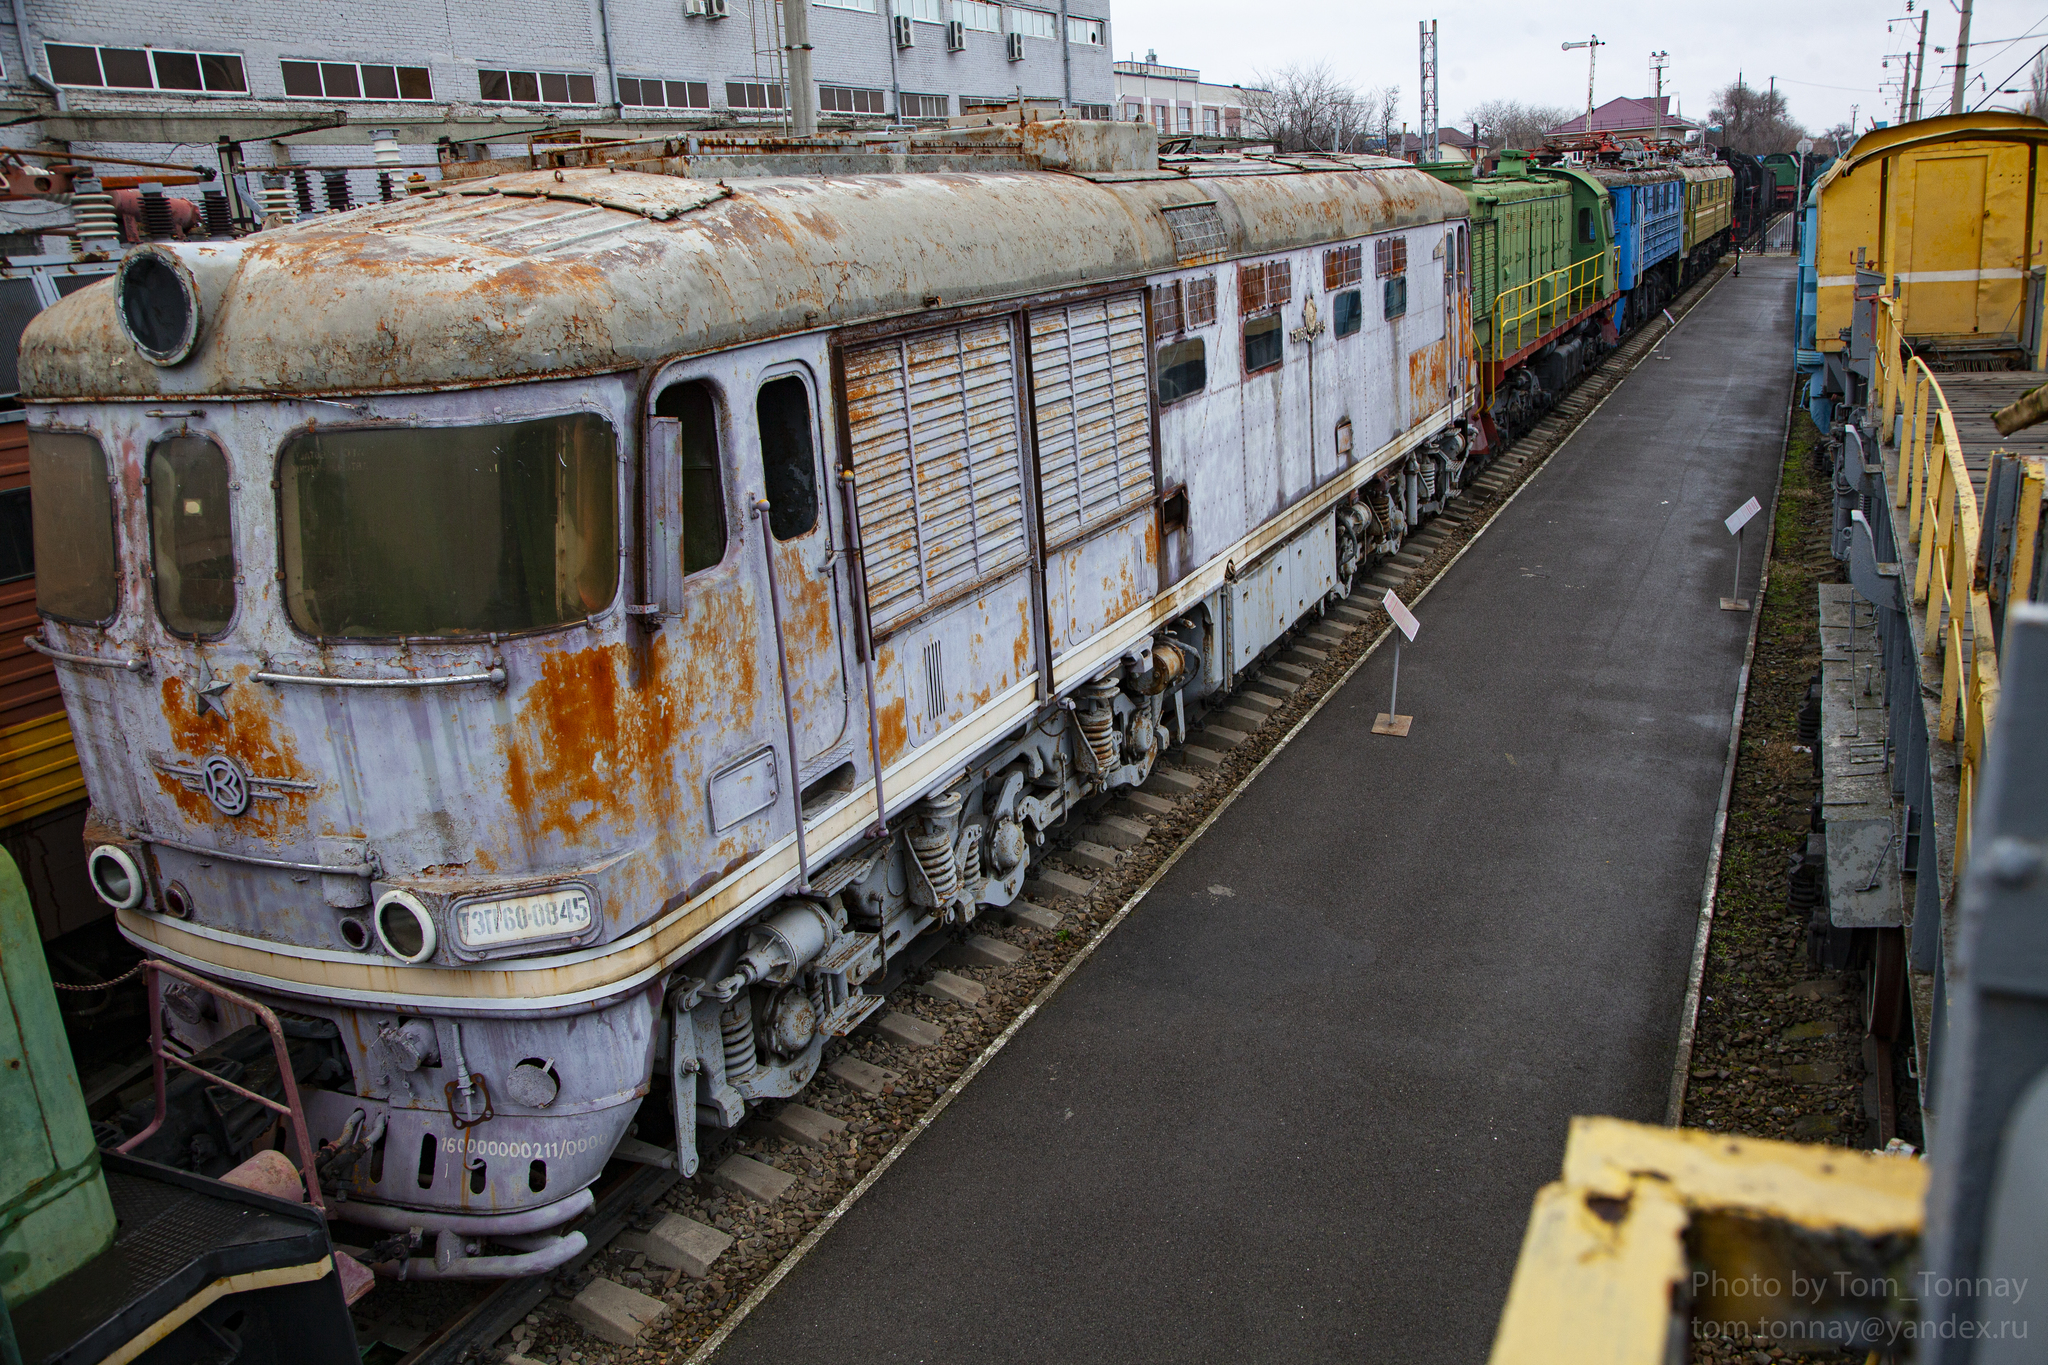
{"points": [[1973, 398]]}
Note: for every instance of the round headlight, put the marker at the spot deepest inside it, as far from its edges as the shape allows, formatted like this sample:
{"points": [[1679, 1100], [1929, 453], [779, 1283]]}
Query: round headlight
{"points": [[404, 927], [159, 304], [115, 876]]}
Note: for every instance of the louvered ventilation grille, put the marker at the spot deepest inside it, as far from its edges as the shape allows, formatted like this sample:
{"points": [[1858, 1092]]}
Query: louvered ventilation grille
{"points": [[1198, 233], [933, 421], [1094, 426]]}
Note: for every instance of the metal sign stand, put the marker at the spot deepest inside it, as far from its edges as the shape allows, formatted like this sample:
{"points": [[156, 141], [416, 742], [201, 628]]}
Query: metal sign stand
{"points": [[1736, 520], [1391, 721]]}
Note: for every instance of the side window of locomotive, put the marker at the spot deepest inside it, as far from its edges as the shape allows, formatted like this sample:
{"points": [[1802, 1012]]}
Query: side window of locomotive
{"points": [[1262, 291], [72, 520], [410, 531], [1586, 224], [782, 414], [1343, 268], [702, 478], [1179, 311], [191, 538], [1390, 265]]}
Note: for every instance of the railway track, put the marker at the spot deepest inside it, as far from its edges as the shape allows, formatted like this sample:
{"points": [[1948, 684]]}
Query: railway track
{"points": [[1096, 869]]}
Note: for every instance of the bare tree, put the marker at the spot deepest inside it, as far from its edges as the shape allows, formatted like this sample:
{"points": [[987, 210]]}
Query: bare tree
{"points": [[1304, 109], [2037, 89], [1511, 123], [1754, 121], [1838, 139], [1310, 109]]}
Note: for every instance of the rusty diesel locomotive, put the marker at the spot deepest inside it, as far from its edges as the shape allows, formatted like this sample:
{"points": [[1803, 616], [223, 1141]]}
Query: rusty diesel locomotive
{"points": [[562, 638]]}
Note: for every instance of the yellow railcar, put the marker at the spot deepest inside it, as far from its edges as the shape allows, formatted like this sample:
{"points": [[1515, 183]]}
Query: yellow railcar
{"points": [[1947, 211], [1709, 204]]}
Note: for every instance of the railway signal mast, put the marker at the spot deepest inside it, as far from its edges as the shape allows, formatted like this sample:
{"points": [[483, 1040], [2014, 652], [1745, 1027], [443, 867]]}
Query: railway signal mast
{"points": [[1429, 107], [1592, 46]]}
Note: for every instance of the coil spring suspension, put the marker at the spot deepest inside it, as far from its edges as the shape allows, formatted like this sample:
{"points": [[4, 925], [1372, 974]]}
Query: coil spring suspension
{"points": [[1382, 506], [1427, 470], [932, 845], [1097, 718], [736, 1025]]}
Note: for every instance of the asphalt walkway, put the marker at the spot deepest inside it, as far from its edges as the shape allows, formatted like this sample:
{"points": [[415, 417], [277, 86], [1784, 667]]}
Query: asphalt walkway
{"points": [[1296, 1107]]}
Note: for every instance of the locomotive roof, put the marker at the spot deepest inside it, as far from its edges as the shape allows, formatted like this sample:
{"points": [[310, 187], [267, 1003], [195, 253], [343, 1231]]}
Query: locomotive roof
{"points": [[1634, 175], [588, 270]]}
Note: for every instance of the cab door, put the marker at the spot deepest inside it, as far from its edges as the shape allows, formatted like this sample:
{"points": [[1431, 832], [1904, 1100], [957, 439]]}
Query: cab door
{"points": [[790, 443]]}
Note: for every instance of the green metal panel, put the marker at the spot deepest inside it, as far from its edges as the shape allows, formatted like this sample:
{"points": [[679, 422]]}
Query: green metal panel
{"points": [[54, 1211]]}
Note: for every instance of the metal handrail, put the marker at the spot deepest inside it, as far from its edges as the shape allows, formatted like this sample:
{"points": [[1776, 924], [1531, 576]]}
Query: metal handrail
{"points": [[290, 1110], [139, 664], [1931, 484], [1556, 294], [495, 676]]}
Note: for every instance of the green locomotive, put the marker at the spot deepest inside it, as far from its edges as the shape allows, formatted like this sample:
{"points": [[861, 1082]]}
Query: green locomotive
{"points": [[1569, 253]]}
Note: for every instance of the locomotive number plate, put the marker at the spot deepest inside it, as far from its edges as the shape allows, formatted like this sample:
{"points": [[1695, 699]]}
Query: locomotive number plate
{"points": [[562, 913]]}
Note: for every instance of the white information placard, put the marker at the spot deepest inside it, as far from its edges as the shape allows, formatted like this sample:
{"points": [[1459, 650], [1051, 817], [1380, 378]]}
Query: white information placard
{"points": [[1403, 617], [1739, 518]]}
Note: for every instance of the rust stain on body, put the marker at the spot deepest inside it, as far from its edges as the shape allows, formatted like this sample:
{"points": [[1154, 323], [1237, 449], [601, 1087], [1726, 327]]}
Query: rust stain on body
{"points": [[246, 735]]}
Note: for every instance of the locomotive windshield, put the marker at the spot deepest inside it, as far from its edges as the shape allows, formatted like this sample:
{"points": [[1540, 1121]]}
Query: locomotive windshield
{"points": [[190, 536], [73, 516], [449, 530]]}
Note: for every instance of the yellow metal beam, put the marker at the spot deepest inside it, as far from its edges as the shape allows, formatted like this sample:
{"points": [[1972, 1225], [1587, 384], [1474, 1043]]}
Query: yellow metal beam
{"points": [[1656, 1235]]}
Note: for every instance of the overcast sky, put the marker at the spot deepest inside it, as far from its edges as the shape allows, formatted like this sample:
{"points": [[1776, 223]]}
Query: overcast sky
{"points": [[1826, 54]]}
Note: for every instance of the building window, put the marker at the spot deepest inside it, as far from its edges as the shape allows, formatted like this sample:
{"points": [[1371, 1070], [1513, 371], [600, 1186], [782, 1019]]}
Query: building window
{"points": [[137, 68], [1233, 123], [1389, 257], [1134, 111], [1183, 119], [929, 11], [978, 15], [865, 6], [1094, 111], [535, 87], [1342, 266], [1162, 117], [752, 95], [1032, 23], [1087, 32], [357, 81], [843, 99], [1212, 122], [647, 92], [923, 106]]}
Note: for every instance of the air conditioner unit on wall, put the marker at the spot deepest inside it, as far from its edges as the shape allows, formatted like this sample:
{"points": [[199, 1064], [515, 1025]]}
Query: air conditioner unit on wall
{"points": [[904, 36], [1016, 47], [715, 9], [693, 9], [956, 35]]}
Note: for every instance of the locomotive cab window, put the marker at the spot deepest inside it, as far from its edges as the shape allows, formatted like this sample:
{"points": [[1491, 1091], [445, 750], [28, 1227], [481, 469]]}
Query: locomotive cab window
{"points": [[449, 530], [1183, 369], [1586, 225], [191, 535], [782, 413], [1349, 312], [72, 520], [700, 480]]}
